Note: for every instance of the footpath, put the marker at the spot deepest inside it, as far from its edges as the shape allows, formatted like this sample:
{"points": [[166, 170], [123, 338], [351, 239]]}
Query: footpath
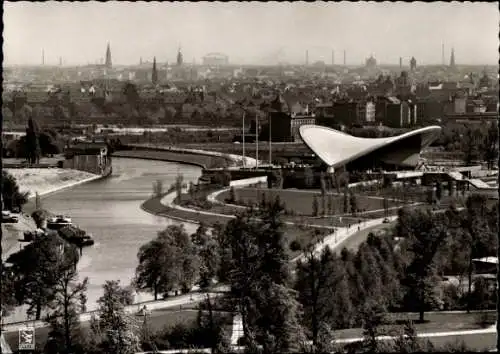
{"points": [[136, 308]]}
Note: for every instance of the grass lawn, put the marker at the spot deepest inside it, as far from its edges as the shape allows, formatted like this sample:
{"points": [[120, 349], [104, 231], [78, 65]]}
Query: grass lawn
{"points": [[435, 322], [154, 206], [157, 321], [300, 201]]}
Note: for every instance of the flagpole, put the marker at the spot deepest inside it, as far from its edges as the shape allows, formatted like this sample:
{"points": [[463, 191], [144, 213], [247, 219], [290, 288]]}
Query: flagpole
{"points": [[244, 162], [270, 139], [256, 141]]}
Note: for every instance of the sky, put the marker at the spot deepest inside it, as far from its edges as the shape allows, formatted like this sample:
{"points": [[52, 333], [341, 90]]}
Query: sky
{"points": [[249, 33]]}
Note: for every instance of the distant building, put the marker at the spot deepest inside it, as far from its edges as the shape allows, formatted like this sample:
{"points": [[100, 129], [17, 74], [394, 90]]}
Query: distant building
{"points": [[484, 82], [370, 112], [394, 113], [285, 127], [459, 103], [215, 59], [285, 119], [452, 58], [108, 62], [154, 74], [371, 62], [179, 57], [413, 64]]}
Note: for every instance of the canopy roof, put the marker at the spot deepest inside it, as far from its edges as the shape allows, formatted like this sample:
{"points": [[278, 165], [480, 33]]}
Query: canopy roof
{"points": [[336, 148]]}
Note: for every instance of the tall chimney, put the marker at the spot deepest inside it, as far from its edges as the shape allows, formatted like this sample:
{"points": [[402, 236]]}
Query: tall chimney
{"points": [[344, 57], [307, 57], [333, 57], [43, 56], [442, 54]]}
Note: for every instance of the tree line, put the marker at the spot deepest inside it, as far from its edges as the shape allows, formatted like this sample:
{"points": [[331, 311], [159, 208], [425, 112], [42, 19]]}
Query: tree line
{"points": [[284, 307]]}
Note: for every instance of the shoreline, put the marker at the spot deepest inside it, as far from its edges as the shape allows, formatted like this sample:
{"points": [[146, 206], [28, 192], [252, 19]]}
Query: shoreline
{"points": [[119, 154], [11, 241]]}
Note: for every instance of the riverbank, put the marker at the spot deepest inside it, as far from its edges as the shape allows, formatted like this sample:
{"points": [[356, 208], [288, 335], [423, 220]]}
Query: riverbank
{"points": [[43, 181], [202, 158]]}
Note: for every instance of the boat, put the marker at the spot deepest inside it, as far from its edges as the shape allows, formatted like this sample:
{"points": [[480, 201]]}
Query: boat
{"points": [[59, 221]]}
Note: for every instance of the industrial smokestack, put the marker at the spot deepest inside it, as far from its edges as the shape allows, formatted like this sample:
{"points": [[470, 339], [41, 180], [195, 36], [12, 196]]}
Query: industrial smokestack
{"points": [[442, 54]]}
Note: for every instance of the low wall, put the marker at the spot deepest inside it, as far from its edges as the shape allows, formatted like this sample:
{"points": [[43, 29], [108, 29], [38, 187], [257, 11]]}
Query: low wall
{"points": [[248, 181], [89, 163]]}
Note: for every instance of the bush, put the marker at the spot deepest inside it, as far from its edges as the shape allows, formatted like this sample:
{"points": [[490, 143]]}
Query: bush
{"points": [[39, 216], [295, 246], [157, 188]]}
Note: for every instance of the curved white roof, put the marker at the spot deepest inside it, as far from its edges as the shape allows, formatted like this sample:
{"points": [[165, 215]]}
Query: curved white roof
{"points": [[336, 148]]}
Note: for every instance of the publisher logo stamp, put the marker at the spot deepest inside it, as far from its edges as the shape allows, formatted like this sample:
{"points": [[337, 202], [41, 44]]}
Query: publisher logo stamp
{"points": [[27, 339]]}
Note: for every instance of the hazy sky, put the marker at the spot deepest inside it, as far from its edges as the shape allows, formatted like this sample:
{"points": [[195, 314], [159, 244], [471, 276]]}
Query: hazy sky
{"points": [[260, 33]]}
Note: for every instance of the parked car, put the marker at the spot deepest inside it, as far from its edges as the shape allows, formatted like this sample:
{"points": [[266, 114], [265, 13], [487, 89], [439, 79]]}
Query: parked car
{"points": [[8, 217]]}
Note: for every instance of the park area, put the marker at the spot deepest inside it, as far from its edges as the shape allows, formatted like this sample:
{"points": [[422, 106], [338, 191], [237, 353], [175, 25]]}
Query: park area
{"points": [[300, 202]]}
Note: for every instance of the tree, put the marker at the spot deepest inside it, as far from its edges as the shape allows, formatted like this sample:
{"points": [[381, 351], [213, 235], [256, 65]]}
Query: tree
{"points": [[425, 233], [49, 144], [372, 315], [12, 198], [157, 188], [68, 303], [323, 204], [471, 145], [32, 141], [315, 206], [131, 94], [439, 190], [208, 254], [490, 145], [178, 186], [169, 262], [330, 205], [39, 216], [37, 267], [408, 341], [259, 280], [7, 291], [353, 202], [475, 233], [346, 201], [308, 177], [232, 196], [113, 327], [386, 206], [212, 328], [316, 284]]}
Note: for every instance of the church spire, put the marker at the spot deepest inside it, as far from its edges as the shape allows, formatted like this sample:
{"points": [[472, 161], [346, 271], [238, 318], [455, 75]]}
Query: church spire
{"points": [[452, 58], [154, 74], [179, 56], [108, 63]]}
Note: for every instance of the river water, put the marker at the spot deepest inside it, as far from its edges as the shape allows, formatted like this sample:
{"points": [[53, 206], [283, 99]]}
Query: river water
{"points": [[110, 211]]}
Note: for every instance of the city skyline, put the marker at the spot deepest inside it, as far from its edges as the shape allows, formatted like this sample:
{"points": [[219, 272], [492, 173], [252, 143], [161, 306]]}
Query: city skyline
{"points": [[279, 32]]}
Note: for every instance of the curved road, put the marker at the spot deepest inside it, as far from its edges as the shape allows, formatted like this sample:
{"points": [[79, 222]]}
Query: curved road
{"points": [[110, 210]]}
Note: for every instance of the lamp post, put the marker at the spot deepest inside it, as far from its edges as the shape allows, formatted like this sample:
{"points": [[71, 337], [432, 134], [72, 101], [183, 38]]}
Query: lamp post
{"points": [[256, 141], [270, 138], [243, 129]]}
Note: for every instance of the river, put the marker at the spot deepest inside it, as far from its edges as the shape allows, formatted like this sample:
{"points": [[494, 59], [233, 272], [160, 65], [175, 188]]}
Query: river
{"points": [[109, 209]]}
